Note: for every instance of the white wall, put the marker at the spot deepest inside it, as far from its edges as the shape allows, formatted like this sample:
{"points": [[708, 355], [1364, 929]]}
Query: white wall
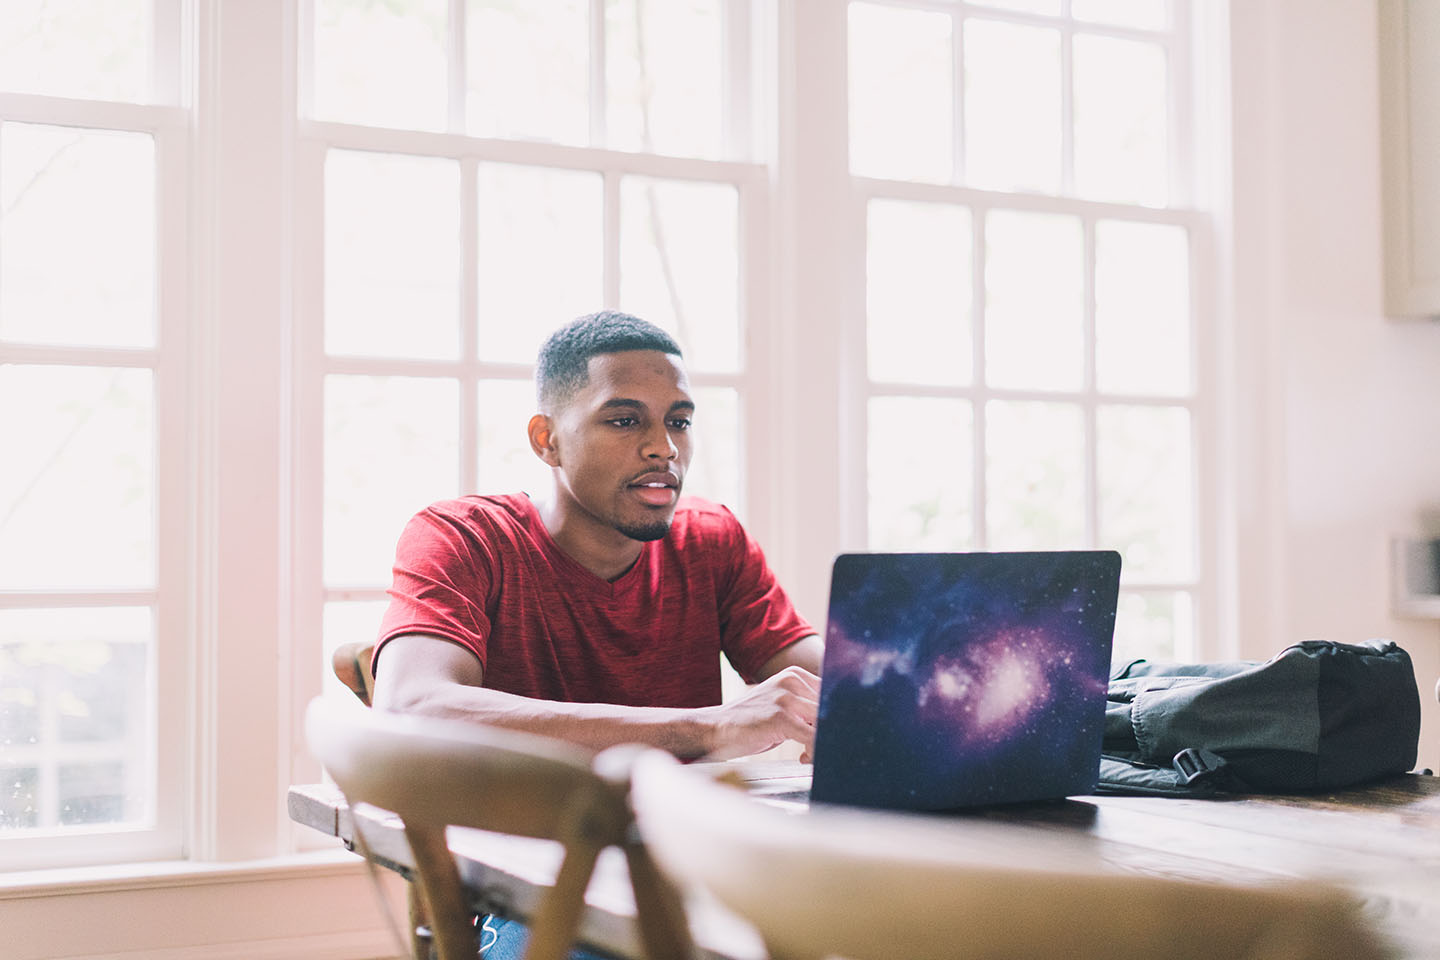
{"points": [[324, 908], [1339, 412]]}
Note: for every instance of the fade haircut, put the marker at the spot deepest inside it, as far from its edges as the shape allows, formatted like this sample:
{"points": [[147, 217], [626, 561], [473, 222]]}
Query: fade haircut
{"points": [[564, 363]]}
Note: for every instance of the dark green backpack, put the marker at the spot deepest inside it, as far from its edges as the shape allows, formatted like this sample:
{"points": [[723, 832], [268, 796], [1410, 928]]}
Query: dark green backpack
{"points": [[1317, 715]]}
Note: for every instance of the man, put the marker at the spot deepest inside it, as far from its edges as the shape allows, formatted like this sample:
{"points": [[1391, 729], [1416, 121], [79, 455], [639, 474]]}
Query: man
{"points": [[598, 616]]}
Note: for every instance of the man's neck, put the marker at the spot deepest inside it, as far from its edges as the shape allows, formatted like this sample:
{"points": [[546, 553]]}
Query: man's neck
{"points": [[601, 549]]}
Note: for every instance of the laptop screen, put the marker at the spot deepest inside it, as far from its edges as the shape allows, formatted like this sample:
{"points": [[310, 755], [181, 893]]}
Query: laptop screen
{"points": [[954, 680]]}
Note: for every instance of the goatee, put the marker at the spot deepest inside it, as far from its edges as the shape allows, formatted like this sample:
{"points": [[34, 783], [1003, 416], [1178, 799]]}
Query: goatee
{"points": [[646, 532]]}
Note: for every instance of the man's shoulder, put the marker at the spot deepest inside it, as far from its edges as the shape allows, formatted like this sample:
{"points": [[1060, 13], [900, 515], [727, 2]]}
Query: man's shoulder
{"points": [[480, 516], [700, 522], [509, 507]]}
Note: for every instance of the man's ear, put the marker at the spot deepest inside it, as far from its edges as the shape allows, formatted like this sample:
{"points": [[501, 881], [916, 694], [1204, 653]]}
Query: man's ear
{"points": [[543, 439]]}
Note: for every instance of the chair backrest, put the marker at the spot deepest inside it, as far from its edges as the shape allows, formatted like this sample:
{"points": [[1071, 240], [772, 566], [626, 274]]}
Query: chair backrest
{"points": [[433, 773], [351, 663], [853, 884]]}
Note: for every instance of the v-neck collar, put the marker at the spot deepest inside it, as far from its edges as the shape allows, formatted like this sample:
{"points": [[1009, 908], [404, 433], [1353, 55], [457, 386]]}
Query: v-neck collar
{"points": [[591, 581]]}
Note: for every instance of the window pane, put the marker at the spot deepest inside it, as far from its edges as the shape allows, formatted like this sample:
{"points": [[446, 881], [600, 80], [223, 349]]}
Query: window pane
{"points": [[1012, 107], [91, 793], [1156, 626], [529, 66], [680, 265], [918, 292], [541, 255], [76, 691], [507, 464], [390, 450], [346, 622], [77, 236], [1147, 504], [663, 64], [392, 255], [1142, 308], [901, 85], [19, 797], [1034, 301], [1142, 14], [920, 471], [89, 49], [1034, 476], [381, 64], [1120, 121], [79, 468], [715, 470]]}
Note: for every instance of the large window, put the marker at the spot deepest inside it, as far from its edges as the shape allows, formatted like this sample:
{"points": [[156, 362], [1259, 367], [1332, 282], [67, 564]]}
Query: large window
{"points": [[92, 437], [1030, 362], [507, 167], [273, 276]]}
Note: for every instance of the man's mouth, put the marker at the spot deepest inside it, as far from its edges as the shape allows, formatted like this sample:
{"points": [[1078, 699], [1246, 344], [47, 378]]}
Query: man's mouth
{"points": [[657, 489]]}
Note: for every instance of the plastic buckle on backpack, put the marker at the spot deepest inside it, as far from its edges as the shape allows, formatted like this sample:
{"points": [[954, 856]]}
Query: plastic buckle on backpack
{"points": [[1194, 763]]}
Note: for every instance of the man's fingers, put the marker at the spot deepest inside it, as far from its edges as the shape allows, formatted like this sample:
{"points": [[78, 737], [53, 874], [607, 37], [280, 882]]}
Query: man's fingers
{"points": [[802, 706], [792, 676], [798, 730]]}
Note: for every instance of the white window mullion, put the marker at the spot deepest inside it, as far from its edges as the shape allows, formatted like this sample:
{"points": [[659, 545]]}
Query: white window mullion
{"points": [[736, 102], [96, 114], [598, 97], [470, 351], [456, 72], [1184, 107], [1067, 107], [611, 217], [175, 611], [957, 98], [167, 54], [979, 486], [305, 58], [1217, 614], [308, 473], [1090, 390], [78, 356], [756, 351]]}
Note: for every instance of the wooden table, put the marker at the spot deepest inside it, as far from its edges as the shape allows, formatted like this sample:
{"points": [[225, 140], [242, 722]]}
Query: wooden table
{"points": [[1381, 842]]}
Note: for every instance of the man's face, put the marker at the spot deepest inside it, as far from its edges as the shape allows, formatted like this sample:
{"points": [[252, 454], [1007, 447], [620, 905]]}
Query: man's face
{"points": [[623, 443]]}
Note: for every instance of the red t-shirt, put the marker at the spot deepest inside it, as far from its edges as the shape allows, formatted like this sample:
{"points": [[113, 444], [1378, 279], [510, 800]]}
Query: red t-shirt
{"points": [[484, 572]]}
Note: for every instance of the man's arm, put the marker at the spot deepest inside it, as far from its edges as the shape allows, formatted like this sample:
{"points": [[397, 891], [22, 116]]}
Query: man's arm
{"points": [[426, 675], [806, 653]]}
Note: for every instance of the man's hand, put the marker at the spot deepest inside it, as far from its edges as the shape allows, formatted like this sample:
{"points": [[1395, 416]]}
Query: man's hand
{"points": [[779, 709]]}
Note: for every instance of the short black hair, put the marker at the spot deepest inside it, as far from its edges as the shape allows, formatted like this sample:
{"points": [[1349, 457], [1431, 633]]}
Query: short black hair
{"points": [[563, 366]]}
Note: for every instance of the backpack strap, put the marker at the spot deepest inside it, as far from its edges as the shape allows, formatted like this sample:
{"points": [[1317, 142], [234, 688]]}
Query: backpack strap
{"points": [[1196, 772], [1196, 764]]}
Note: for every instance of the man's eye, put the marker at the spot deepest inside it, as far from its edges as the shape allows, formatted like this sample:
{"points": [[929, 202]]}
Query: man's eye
{"points": [[623, 422], [680, 423]]}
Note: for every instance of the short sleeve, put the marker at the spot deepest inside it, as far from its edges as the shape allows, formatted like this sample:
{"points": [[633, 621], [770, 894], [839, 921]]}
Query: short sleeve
{"points": [[757, 619], [440, 582]]}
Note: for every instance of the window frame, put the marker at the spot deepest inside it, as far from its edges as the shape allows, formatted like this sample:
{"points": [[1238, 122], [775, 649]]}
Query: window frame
{"points": [[167, 122], [751, 180], [1201, 402]]}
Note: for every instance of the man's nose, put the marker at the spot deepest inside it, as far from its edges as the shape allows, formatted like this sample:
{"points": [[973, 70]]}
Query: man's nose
{"points": [[659, 444]]}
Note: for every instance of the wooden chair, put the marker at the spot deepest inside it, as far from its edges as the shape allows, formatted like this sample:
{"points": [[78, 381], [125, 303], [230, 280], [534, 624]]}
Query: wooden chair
{"points": [[351, 663], [433, 773], [852, 884]]}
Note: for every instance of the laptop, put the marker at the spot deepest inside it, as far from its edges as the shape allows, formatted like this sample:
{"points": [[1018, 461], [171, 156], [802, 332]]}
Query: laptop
{"points": [[955, 680]]}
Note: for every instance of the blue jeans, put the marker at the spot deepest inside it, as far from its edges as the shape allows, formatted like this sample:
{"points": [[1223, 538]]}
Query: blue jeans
{"points": [[502, 939]]}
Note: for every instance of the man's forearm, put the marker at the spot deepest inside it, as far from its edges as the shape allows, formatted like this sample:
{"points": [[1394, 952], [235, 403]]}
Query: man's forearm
{"points": [[684, 732]]}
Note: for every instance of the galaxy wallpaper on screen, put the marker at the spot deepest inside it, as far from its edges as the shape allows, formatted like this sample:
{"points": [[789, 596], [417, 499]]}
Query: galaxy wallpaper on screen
{"points": [[956, 680]]}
